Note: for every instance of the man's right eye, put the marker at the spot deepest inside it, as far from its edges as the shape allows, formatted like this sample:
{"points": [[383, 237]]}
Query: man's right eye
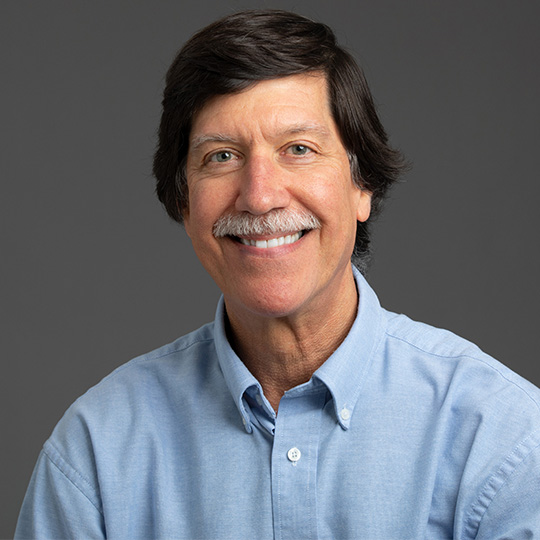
{"points": [[221, 157]]}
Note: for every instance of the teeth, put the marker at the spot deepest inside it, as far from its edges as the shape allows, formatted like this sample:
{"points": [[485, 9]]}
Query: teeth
{"points": [[273, 242]]}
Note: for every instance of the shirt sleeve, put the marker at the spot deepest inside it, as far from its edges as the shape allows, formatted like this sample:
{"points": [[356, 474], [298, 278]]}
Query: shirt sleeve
{"points": [[512, 508], [59, 503]]}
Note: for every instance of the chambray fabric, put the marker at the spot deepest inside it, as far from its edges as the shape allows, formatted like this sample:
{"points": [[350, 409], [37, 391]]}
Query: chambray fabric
{"points": [[406, 432]]}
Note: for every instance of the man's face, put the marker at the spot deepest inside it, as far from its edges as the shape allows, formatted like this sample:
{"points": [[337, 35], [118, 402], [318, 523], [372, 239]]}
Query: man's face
{"points": [[273, 149]]}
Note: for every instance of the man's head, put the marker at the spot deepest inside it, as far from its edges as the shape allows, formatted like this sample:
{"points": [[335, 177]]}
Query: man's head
{"points": [[236, 52]]}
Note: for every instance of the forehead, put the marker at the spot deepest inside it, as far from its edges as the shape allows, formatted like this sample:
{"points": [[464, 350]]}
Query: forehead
{"points": [[275, 105]]}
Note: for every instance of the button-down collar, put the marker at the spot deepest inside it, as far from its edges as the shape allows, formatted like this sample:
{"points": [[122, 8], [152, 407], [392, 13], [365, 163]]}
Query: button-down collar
{"points": [[236, 374], [343, 373]]}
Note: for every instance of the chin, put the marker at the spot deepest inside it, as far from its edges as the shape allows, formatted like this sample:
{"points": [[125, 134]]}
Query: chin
{"points": [[268, 302]]}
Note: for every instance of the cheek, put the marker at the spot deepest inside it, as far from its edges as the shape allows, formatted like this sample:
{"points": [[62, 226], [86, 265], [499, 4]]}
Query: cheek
{"points": [[203, 207], [335, 198]]}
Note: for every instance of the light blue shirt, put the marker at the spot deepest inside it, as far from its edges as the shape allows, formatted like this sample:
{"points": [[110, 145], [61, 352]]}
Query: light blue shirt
{"points": [[405, 432]]}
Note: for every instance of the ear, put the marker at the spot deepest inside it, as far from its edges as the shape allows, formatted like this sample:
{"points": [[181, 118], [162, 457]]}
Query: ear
{"points": [[363, 209]]}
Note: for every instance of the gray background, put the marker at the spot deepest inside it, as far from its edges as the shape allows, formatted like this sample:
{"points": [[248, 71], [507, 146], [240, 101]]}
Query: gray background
{"points": [[93, 273]]}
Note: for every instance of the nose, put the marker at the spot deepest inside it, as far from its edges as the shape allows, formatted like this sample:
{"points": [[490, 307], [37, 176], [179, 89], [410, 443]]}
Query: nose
{"points": [[262, 186]]}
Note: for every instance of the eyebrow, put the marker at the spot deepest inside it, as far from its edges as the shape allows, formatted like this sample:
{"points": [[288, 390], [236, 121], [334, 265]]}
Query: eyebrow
{"points": [[296, 129], [213, 137]]}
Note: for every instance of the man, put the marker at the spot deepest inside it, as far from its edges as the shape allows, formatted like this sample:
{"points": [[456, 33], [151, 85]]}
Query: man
{"points": [[305, 410]]}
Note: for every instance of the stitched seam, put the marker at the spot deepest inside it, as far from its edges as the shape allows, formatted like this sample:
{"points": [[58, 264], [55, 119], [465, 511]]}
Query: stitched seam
{"points": [[64, 468], [148, 358], [473, 358], [399, 338], [499, 478]]}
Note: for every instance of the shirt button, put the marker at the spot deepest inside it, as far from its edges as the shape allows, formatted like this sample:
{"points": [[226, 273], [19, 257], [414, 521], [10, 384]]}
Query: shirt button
{"points": [[294, 454], [345, 414]]}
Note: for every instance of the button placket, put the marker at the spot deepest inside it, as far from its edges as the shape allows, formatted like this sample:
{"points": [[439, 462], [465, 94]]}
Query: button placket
{"points": [[294, 465]]}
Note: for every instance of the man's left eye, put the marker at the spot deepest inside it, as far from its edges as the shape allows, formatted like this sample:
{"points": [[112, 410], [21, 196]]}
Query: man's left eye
{"points": [[298, 150]]}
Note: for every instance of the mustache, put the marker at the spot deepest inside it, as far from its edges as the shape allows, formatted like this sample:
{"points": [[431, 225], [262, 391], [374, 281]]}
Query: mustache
{"points": [[273, 222]]}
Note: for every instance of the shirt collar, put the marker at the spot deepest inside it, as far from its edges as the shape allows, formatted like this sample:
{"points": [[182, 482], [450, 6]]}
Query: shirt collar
{"points": [[237, 376], [343, 372]]}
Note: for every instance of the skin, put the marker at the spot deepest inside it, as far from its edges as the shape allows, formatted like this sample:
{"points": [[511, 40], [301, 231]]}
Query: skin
{"points": [[275, 146]]}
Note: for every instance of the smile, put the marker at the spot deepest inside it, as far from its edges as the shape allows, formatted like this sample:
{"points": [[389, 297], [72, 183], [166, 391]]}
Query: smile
{"points": [[273, 242]]}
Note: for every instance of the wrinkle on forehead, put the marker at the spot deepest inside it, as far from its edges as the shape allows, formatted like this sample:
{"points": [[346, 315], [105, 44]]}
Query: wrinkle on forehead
{"points": [[296, 129]]}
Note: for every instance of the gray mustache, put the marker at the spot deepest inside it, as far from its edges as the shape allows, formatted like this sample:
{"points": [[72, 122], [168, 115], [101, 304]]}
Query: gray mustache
{"points": [[276, 221]]}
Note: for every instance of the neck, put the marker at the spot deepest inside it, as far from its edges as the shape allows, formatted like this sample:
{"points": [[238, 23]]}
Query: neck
{"points": [[283, 352]]}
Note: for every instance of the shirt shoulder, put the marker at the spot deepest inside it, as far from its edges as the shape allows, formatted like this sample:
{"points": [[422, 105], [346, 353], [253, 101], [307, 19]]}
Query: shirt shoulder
{"points": [[137, 399], [453, 355], [177, 348], [490, 425], [429, 339], [114, 438], [184, 356]]}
